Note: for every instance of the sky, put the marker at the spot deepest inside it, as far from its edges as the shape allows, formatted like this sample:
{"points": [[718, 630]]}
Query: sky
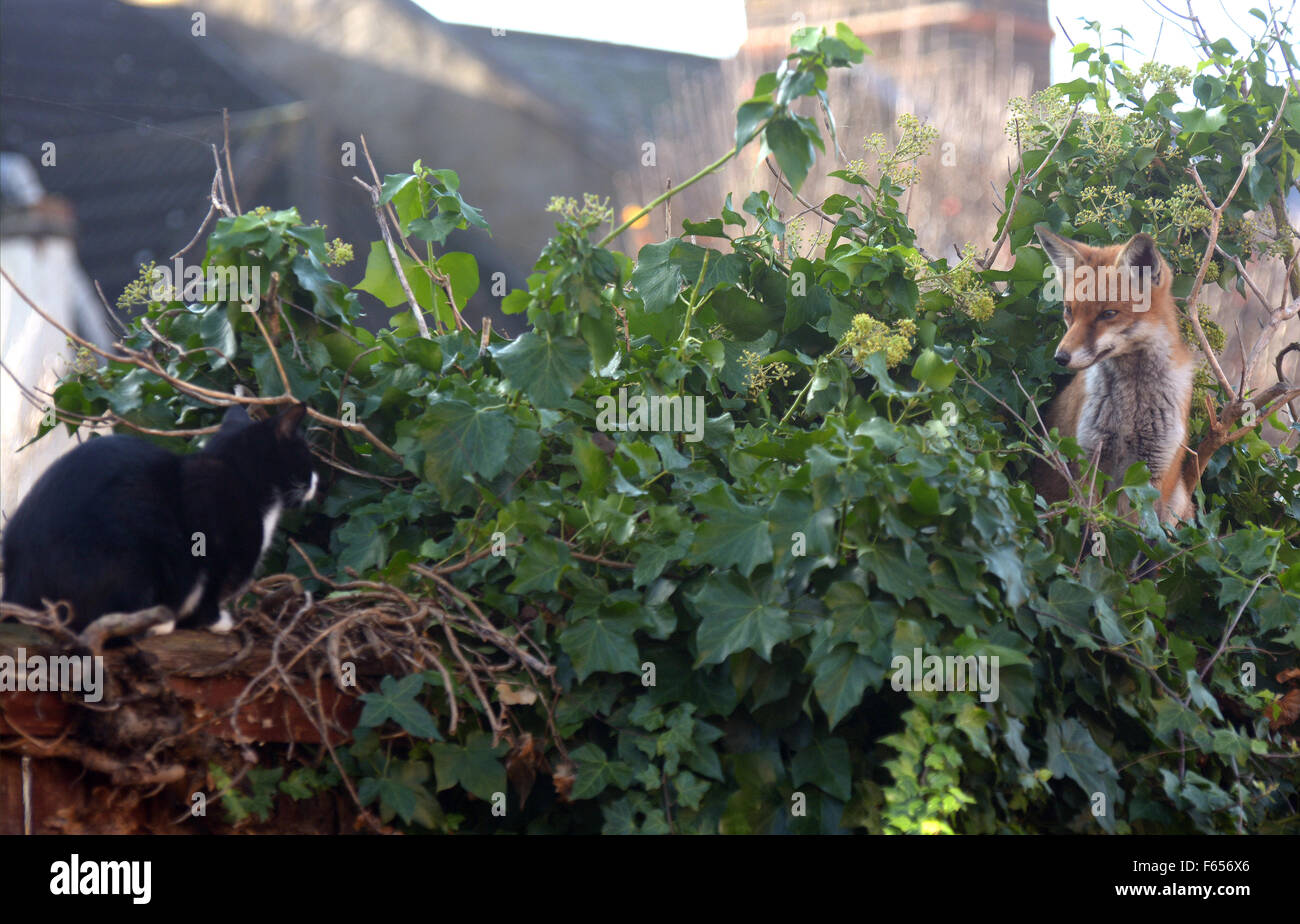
{"points": [[712, 28], [716, 28], [1138, 18]]}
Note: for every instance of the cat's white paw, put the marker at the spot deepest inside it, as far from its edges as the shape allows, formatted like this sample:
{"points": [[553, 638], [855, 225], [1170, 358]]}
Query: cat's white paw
{"points": [[224, 624], [163, 628]]}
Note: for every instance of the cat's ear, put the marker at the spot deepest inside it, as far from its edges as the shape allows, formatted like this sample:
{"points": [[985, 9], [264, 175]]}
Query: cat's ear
{"points": [[236, 419], [287, 424]]}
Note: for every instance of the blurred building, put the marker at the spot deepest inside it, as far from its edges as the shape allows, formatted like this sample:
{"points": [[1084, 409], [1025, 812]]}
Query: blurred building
{"points": [[129, 95], [952, 64]]}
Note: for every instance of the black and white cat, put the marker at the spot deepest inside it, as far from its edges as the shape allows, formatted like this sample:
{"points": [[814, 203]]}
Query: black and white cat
{"points": [[119, 524]]}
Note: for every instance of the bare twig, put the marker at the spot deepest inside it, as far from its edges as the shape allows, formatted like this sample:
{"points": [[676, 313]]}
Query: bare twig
{"points": [[392, 256], [1025, 180], [230, 170]]}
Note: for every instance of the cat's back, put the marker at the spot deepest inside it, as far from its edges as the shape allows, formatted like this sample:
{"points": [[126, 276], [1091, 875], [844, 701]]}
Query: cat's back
{"points": [[90, 475], [86, 515]]}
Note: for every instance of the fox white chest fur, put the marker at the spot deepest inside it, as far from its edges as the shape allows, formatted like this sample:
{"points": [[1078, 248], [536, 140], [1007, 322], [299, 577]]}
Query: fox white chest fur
{"points": [[1134, 410]]}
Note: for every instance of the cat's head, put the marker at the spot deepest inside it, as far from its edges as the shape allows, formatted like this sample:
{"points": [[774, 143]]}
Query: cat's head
{"points": [[274, 452]]}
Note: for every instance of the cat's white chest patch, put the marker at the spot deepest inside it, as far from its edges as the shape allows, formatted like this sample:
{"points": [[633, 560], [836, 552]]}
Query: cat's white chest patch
{"points": [[269, 519]]}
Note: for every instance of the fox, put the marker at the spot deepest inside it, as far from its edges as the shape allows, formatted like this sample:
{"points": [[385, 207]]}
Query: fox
{"points": [[1130, 398]]}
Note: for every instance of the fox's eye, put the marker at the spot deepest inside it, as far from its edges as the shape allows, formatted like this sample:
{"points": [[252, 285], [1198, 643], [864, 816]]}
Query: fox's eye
{"points": [[1067, 314], [1108, 314]]}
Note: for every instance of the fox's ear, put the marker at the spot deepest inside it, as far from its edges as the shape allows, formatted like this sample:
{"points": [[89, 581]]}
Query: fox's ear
{"points": [[287, 423], [1141, 252], [1062, 251]]}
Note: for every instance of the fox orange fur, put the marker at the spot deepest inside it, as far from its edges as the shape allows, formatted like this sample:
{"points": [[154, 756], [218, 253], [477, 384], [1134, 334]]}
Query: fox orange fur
{"points": [[1130, 399]]}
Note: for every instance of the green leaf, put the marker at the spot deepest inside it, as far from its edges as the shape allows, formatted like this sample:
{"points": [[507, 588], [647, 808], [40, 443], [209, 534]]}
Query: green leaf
{"points": [[1008, 563], [545, 367], [841, 679], [733, 534], [359, 543], [461, 270], [792, 147], [217, 332], [601, 644], [596, 772], [402, 790], [736, 617], [710, 228], [1072, 753], [846, 36], [825, 763], [934, 370], [396, 700], [475, 766], [459, 440], [1196, 121], [381, 281], [331, 295], [923, 496], [540, 566], [750, 118], [656, 277], [746, 317]]}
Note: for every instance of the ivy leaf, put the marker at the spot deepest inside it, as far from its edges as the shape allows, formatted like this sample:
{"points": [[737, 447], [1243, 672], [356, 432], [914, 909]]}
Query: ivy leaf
{"points": [[596, 644], [825, 763], [548, 369], [933, 370], [217, 333], [1072, 753], [746, 317], [690, 789], [735, 618], [396, 700], [360, 543], [750, 118], [329, 292], [475, 766], [461, 270], [1008, 563], [459, 439], [840, 680], [1196, 121], [974, 722], [402, 790], [710, 228], [733, 534], [792, 147], [381, 280], [596, 772], [656, 277], [540, 566]]}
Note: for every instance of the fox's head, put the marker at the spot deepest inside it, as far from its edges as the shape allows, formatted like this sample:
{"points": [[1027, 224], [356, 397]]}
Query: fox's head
{"points": [[1115, 297]]}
